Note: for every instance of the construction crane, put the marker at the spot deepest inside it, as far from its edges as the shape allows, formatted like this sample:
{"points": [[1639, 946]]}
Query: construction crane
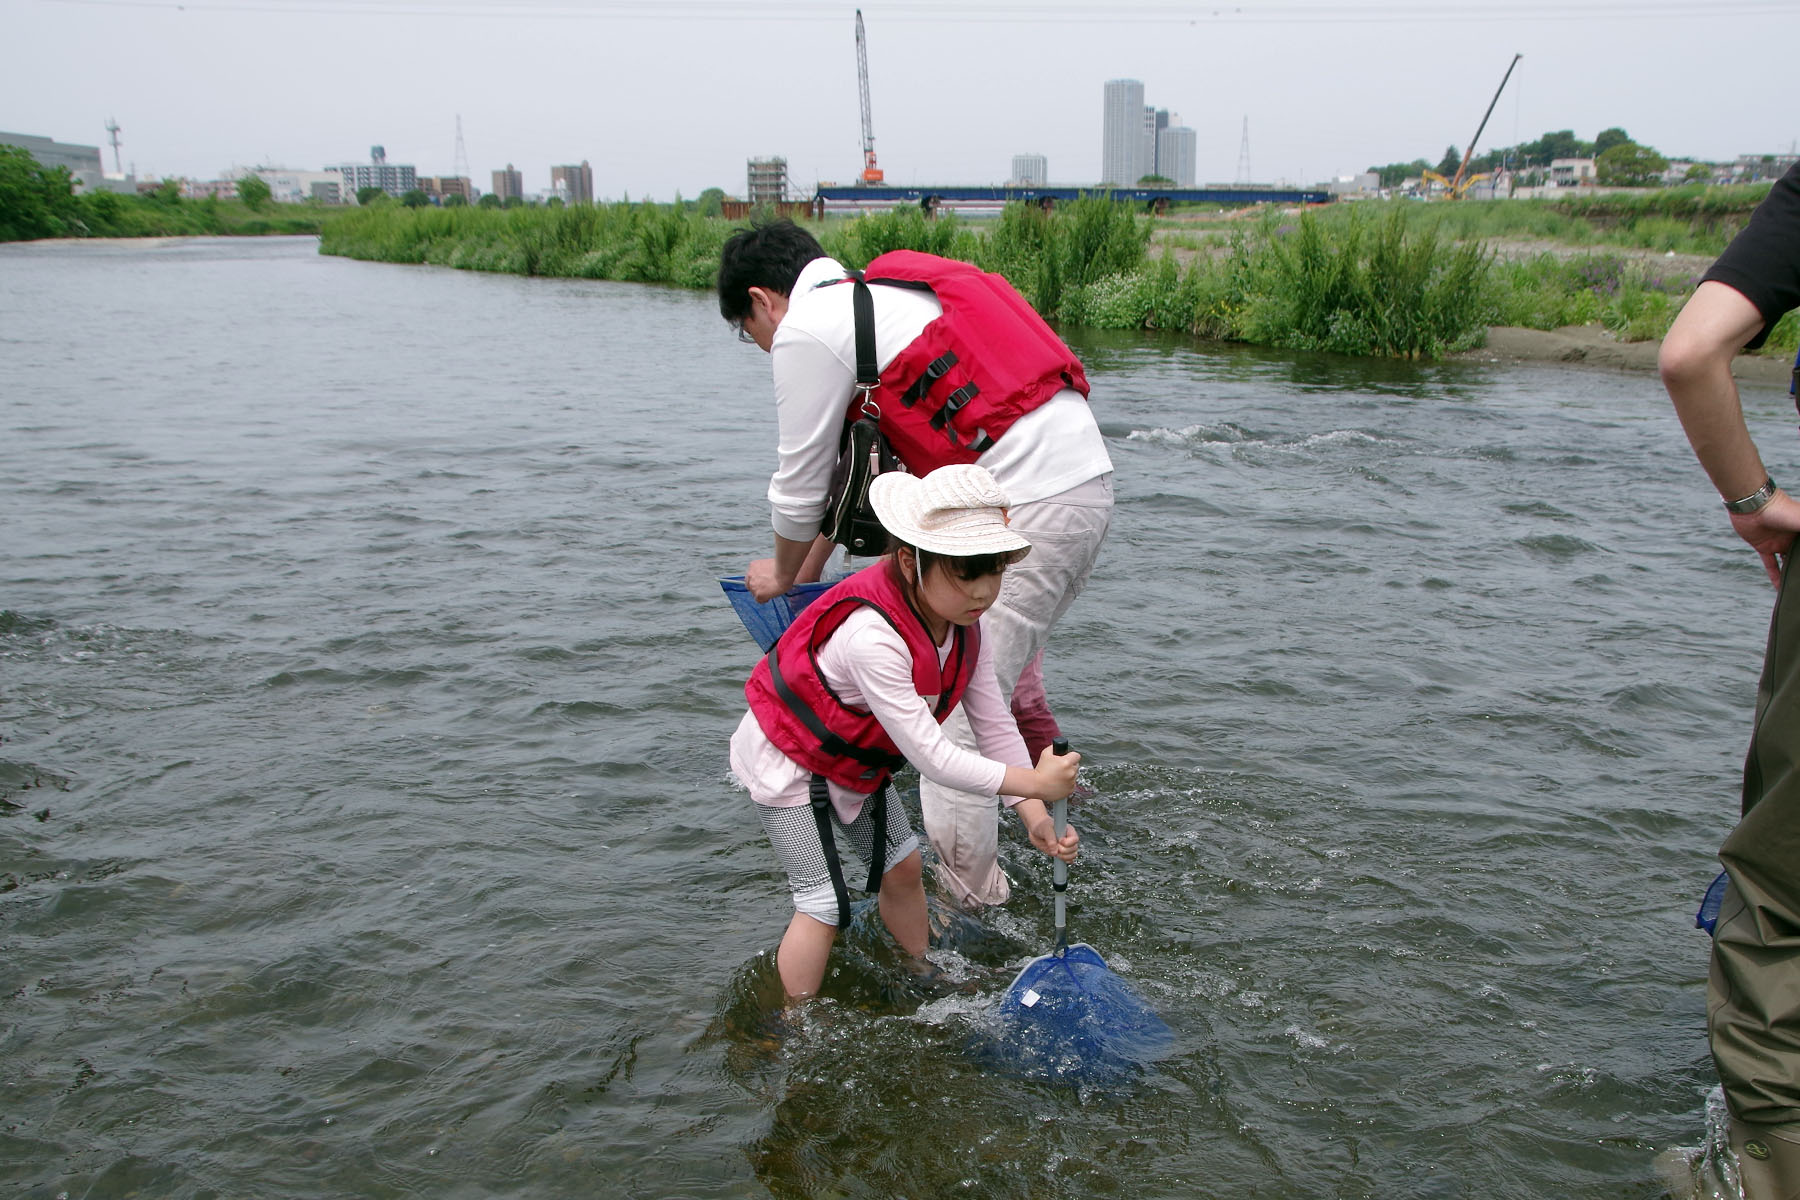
{"points": [[1454, 188], [870, 173]]}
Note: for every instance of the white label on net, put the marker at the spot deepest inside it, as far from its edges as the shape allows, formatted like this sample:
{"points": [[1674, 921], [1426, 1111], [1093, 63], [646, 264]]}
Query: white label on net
{"points": [[1029, 998]]}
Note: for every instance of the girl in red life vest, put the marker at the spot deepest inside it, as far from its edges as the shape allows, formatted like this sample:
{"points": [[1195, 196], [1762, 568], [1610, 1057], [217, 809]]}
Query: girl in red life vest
{"points": [[861, 683]]}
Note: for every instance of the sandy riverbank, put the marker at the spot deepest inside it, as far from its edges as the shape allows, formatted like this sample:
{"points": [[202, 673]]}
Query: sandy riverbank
{"points": [[1592, 346]]}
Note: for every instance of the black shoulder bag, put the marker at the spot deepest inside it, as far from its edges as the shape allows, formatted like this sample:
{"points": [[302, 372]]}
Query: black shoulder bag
{"points": [[863, 451]]}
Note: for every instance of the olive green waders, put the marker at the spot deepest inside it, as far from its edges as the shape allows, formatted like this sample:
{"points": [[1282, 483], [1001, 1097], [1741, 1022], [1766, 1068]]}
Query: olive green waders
{"points": [[1753, 987]]}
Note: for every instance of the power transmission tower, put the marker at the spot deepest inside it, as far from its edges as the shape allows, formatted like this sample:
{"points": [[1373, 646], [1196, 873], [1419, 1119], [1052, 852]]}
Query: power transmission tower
{"points": [[461, 165], [1243, 167]]}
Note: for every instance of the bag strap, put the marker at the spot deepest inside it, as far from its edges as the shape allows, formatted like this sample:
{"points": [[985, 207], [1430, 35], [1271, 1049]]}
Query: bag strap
{"points": [[868, 373]]}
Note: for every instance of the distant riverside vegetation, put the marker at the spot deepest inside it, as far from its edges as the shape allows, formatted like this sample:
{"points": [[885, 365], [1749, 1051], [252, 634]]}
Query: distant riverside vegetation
{"points": [[1394, 278], [38, 202], [1386, 278]]}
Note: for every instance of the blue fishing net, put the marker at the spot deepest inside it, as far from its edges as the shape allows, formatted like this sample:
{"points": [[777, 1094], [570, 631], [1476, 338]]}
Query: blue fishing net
{"points": [[1708, 916], [1067, 1017], [766, 621]]}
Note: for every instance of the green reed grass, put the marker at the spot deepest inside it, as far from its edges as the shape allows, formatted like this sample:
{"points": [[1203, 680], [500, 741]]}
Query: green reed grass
{"points": [[1694, 219], [640, 243], [1357, 286], [1400, 279]]}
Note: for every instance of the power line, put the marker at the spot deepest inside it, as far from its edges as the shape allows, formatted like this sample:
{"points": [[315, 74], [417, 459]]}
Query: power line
{"points": [[976, 11]]}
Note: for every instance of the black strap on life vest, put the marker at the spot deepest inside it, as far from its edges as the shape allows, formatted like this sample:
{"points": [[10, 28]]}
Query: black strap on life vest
{"points": [[821, 807], [874, 759], [820, 796], [935, 370]]}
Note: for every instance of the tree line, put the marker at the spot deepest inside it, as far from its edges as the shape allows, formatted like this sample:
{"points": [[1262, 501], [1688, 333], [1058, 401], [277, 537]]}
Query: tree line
{"points": [[41, 202], [1619, 160]]}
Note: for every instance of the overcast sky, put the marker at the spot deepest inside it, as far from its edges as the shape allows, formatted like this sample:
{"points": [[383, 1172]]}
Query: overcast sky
{"points": [[667, 96]]}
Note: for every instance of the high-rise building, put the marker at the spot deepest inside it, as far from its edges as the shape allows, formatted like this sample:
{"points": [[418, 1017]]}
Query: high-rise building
{"points": [[509, 184], [574, 184], [1031, 170], [396, 179], [1155, 121], [1176, 154], [768, 181], [1122, 157]]}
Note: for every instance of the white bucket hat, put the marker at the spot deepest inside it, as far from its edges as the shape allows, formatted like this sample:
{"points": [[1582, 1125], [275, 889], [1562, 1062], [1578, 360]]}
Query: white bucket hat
{"points": [[957, 510]]}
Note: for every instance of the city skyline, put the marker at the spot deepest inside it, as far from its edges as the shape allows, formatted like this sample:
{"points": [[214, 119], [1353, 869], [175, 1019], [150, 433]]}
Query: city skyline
{"points": [[1329, 87]]}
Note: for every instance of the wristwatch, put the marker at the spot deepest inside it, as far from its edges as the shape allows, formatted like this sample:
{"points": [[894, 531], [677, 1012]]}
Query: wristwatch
{"points": [[1755, 502]]}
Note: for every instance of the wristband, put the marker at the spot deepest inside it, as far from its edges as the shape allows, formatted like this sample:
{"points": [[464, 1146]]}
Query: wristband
{"points": [[1755, 502]]}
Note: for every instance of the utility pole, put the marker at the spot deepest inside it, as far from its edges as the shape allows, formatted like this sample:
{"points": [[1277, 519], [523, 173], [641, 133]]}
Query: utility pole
{"points": [[112, 127]]}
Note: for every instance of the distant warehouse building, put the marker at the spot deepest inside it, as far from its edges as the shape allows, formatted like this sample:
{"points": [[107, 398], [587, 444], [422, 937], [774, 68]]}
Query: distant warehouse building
{"points": [[288, 186], [82, 162]]}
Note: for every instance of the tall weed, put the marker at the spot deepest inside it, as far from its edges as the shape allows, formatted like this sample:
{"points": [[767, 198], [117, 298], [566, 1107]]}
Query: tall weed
{"points": [[1635, 300], [857, 242]]}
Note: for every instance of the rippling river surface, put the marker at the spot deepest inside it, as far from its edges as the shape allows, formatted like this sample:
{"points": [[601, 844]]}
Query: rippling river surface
{"points": [[367, 831]]}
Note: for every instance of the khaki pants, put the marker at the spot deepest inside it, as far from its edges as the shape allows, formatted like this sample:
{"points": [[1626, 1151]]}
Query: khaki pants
{"points": [[1065, 532], [1753, 985]]}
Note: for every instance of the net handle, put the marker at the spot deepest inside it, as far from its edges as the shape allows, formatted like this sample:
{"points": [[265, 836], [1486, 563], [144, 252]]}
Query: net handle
{"points": [[1060, 872]]}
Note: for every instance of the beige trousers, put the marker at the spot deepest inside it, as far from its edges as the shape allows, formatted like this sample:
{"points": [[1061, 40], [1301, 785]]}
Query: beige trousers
{"points": [[1065, 532]]}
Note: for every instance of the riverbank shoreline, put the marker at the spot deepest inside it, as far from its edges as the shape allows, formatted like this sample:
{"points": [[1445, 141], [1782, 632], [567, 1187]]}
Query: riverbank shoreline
{"points": [[1594, 346], [1575, 345]]}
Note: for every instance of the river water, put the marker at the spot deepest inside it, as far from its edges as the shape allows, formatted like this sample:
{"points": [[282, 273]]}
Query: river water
{"points": [[367, 831]]}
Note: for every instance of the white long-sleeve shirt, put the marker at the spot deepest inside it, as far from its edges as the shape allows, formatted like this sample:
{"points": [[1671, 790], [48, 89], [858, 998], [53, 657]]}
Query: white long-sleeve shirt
{"points": [[867, 664], [1050, 449]]}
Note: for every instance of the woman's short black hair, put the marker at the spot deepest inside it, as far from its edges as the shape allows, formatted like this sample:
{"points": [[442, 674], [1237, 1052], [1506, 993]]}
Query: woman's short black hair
{"points": [[767, 254]]}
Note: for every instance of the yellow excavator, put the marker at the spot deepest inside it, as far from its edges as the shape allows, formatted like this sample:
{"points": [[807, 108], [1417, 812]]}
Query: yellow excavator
{"points": [[1454, 188], [1458, 185]]}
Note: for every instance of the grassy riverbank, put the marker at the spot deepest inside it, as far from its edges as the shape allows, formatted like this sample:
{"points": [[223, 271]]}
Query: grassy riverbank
{"points": [[1399, 279], [111, 215]]}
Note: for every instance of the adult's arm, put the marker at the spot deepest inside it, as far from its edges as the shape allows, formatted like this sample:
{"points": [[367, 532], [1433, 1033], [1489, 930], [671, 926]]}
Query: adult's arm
{"points": [[1695, 363], [767, 578], [794, 562], [812, 395]]}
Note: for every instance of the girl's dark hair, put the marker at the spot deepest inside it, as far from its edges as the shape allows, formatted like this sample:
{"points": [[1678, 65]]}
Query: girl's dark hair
{"points": [[970, 566]]}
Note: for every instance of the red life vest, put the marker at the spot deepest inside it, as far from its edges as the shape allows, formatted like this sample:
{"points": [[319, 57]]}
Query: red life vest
{"points": [[806, 721], [985, 362]]}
